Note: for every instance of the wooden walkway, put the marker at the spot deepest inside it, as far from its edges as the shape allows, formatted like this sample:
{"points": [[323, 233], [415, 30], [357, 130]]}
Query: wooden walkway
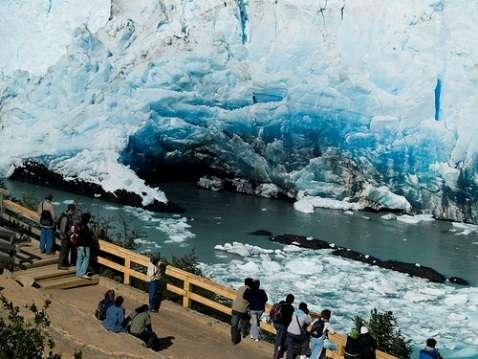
{"points": [[41, 270]]}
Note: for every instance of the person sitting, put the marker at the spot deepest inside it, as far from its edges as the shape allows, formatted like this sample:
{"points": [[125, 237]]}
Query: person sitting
{"points": [[104, 304], [115, 317], [140, 326], [430, 352]]}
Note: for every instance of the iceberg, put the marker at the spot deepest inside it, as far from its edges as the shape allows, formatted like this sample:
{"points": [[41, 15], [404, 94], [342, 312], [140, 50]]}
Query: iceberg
{"points": [[333, 101]]}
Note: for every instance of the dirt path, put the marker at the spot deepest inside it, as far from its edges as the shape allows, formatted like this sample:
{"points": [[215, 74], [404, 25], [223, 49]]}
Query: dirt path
{"points": [[74, 326]]}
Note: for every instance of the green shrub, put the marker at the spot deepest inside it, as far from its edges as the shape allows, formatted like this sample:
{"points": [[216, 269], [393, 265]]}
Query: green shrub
{"points": [[20, 338], [384, 328]]}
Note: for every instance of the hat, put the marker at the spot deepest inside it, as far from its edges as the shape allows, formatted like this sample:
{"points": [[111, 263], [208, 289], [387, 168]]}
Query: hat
{"points": [[363, 330]]}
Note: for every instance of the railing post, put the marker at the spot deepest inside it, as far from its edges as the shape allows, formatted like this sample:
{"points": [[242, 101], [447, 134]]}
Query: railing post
{"points": [[127, 264], [187, 288]]}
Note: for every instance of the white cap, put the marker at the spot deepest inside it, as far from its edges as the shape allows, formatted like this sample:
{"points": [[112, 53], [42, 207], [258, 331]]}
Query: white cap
{"points": [[363, 330]]}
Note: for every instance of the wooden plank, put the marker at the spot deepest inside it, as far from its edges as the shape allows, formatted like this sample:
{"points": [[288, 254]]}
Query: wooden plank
{"points": [[67, 282], [187, 293], [213, 287], [210, 303], [174, 289]]}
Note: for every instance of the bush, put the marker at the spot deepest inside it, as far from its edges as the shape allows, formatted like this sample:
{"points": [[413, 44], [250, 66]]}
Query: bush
{"points": [[384, 328], [20, 338]]}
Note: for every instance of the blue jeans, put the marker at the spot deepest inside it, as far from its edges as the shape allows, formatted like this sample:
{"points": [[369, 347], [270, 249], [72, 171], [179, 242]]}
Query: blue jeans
{"points": [[153, 294], [316, 345], [46, 240], [279, 345], [82, 260]]}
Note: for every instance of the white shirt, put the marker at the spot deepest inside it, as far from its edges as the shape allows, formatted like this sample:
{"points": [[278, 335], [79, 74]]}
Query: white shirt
{"points": [[153, 272]]}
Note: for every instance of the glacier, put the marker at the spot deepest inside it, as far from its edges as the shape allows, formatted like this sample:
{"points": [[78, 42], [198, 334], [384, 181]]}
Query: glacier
{"points": [[370, 103]]}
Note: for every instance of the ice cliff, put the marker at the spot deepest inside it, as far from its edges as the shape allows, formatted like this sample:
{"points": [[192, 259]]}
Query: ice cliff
{"points": [[368, 102]]}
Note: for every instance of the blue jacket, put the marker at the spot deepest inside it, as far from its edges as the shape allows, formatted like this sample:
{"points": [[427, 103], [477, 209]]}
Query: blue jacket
{"points": [[114, 319], [429, 353]]}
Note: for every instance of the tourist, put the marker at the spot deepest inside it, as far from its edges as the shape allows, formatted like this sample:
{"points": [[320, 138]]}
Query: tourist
{"points": [[352, 345], [65, 222], [368, 345], [155, 276], [430, 352], [46, 211], [320, 328], [104, 304], [115, 317], [257, 299], [281, 316], [296, 332], [84, 241], [140, 326], [240, 316]]}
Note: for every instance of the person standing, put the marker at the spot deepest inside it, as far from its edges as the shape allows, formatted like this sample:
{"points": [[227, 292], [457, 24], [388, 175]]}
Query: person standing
{"points": [[154, 279], [281, 316], [367, 343], [296, 333], [65, 222], [257, 299], [239, 316], [84, 241], [46, 211], [319, 332], [430, 352]]}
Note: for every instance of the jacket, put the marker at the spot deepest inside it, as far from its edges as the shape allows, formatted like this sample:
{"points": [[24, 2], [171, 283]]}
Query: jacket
{"points": [[114, 319], [367, 345], [298, 323], [64, 225], [257, 299], [239, 304], [429, 353], [85, 236]]}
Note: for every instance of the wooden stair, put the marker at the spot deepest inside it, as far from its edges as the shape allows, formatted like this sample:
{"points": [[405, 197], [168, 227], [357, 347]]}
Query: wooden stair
{"points": [[50, 277]]}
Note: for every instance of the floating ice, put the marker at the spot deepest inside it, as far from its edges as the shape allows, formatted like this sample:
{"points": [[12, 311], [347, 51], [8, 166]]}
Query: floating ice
{"points": [[350, 288], [415, 219]]}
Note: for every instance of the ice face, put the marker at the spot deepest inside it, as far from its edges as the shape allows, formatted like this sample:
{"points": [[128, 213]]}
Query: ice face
{"points": [[331, 100], [351, 288]]}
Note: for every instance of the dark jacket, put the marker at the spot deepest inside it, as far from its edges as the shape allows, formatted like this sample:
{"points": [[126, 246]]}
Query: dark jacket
{"points": [[257, 299], [85, 236], [352, 348], [287, 310], [367, 345]]}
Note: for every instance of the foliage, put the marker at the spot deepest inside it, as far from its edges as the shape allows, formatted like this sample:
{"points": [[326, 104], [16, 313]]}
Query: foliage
{"points": [[117, 231], [188, 262], [384, 328], [20, 338]]}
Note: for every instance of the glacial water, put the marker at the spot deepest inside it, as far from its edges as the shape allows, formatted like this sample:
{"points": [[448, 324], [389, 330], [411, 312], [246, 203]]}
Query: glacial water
{"points": [[217, 218]]}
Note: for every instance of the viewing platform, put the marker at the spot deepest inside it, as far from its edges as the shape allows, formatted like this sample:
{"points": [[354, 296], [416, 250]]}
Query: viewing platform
{"points": [[36, 278]]}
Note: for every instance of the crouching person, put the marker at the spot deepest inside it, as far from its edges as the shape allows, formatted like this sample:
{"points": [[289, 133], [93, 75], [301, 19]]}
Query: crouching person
{"points": [[140, 326]]}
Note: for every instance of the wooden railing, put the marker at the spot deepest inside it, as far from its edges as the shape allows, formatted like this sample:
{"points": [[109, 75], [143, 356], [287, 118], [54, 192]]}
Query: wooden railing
{"points": [[133, 265]]}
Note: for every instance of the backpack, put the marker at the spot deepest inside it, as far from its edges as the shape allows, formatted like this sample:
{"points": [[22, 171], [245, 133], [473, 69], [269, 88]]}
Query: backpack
{"points": [[317, 329], [46, 220], [275, 314], [75, 232]]}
